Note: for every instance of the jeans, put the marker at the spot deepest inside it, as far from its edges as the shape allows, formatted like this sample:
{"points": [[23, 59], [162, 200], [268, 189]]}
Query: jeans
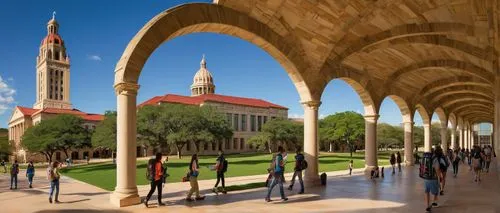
{"points": [[277, 180], [220, 178], [13, 180], [155, 184], [30, 179], [299, 174], [193, 181], [455, 167], [54, 186]]}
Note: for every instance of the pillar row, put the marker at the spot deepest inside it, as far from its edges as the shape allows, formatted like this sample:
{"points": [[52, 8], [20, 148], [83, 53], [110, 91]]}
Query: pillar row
{"points": [[370, 142], [408, 142], [427, 137], [311, 148], [126, 193], [444, 137]]}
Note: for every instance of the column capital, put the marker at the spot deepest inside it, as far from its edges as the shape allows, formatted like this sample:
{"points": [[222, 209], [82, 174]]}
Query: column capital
{"points": [[311, 104], [126, 88], [371, 117], [408, 122], [426, 125]]}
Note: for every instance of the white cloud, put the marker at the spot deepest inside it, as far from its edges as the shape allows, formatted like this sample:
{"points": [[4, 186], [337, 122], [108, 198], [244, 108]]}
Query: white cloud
{"points": [[6, 95], [295, 115], [94, 57]]}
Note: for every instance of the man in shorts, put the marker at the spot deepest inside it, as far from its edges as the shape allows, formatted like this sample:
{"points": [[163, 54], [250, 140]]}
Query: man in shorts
{"points": [[432, 184]]}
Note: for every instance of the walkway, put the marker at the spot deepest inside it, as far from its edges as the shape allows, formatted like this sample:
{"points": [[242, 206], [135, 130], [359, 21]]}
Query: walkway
{"points": [[399, 193]]}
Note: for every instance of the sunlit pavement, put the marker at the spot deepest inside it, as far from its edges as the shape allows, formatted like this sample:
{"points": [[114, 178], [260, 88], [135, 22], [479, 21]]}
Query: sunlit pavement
{"points": [[398, 193]]}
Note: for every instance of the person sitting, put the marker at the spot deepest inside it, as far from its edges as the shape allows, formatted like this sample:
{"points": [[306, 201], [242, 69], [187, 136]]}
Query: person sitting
{"points": [[374, 173]]}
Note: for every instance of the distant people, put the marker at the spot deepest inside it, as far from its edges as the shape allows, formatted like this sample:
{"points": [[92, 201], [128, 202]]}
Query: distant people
{"points": [[351, 166], [392, 160], [155, 176], [417, 158], [399, 161], [430, 171], [14, 171], [30, 173], [476, 163], [53, 176], [87, 159], [374, 173], [455, 159], [279, 169], [487, 153], [462, 155], [300, 165], [382, 172], [220, 169], [4, 165], [193, 179], [468, 154]]}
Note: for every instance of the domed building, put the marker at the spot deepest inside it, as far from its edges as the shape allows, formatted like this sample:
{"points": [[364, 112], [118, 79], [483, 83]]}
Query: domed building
{"points": [[52, 97], [246, 115]]}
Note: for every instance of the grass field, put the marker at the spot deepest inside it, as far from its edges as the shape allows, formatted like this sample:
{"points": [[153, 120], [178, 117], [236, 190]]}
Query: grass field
{"points": [[103, 175]]}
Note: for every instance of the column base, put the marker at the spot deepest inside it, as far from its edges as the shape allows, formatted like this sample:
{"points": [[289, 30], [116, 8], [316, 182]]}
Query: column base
{"points": [[121, 200], [409, 163], [312, 181]]}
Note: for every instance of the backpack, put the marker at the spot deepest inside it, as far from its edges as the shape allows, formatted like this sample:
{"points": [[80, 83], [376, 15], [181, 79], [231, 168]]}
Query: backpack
{"points": [[224, 166], [14, 170], [443, 164], [276, 166], [150, 171], [304, 164], [426, 170]]}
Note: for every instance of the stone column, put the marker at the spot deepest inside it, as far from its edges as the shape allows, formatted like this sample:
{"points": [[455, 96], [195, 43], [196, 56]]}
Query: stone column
{"points": [[408, 138], [427, 138], [370, 142], [466, 138], [125, 193], [444, 138], [311, 149], [453, 138], [461, 137]]}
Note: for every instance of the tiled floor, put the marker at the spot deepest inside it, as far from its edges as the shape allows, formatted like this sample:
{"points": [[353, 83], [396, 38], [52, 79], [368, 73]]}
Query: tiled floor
{"points": [[398, 193]]}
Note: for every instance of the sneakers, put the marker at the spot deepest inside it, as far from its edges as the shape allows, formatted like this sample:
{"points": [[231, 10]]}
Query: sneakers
{"points": [[441, 193], [268, 200], [284, 199], [50, 200], [435, 204], [428, 209], [189, 199], [200, 198], [161, 204]]}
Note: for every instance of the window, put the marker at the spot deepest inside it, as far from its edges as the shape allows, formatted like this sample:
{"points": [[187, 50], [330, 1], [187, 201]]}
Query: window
{"points": [[242, 143], [235, 143], [259, 123], [229, 118], [243, 122], [265, 119], [226, 144], [272, 118], [205, 146], [235, 122], [213, 146], [56, 55], [252, 123], [61, 97]]}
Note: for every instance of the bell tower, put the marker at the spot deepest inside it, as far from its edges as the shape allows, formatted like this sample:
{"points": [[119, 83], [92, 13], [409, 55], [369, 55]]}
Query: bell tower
{"points": [[52, 71]]}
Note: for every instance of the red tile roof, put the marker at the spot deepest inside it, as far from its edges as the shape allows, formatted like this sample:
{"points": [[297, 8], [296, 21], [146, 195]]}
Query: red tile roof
{"points": [[197, 100], [86, 116]]}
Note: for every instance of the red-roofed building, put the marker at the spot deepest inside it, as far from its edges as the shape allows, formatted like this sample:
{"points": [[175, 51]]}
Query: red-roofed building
{"points": [[52, 96], [246, 115]]}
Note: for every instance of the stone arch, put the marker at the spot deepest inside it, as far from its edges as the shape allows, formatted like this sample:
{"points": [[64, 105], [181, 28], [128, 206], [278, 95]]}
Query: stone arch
{"points": [[370, 108], [442, 116], [452, 118], [406, 111], [446, 102], [424, 114], [457, 89], [202, 17], [454, 81], [457, 107]]}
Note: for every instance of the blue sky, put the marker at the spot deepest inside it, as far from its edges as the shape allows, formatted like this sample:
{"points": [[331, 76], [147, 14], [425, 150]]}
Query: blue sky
{"points": [[97, 32]]}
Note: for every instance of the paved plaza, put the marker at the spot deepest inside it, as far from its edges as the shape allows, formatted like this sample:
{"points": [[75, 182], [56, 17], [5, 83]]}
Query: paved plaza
{"points": [[398, 193]]}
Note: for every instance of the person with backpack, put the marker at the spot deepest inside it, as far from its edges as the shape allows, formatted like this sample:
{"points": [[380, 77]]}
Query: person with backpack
{"points": [[399, 161], [279, 169], [220, 169], [392, 160], [300, 165], [4, 165], [476, 158], [455, 159], [155, 174], [443, 166], [430, 171], [30, 173], [14, 171], [193, 179], [53, 176]]}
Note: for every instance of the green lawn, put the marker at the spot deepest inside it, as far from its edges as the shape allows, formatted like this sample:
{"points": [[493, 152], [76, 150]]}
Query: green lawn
{"points": [[103, 175]]}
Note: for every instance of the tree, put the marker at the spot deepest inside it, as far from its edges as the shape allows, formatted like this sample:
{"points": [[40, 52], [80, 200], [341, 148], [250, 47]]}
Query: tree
{"points": [[5, 145], [104, 136], [418, 137], [41, 138], [279, 132], [69, 133], [389, 135], [347, 127]]}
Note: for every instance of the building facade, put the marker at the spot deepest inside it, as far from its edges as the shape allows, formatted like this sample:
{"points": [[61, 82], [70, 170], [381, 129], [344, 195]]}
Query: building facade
{"points": [[246, 115], [52, 96]]}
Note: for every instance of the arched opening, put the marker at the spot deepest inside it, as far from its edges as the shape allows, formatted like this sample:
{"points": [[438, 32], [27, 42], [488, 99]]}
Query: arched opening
{"points": [[75, 155], [422, 129], [96, 154]]}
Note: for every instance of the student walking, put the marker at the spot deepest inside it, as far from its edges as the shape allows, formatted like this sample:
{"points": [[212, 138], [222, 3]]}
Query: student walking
{"points": [[476, 163], [351, 166], [430, 171], [156, 173], [4, 165], [487, 153], [14, 171], [300, 165], [398, 161], [30, 173], [53, 176], [455, 159], [392, 160], [220, 168], [443, 166], [279, 168], [193, 179]]}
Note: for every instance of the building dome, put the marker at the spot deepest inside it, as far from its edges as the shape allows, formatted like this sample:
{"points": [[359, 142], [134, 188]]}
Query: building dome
{"points": [[203, 82]]}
